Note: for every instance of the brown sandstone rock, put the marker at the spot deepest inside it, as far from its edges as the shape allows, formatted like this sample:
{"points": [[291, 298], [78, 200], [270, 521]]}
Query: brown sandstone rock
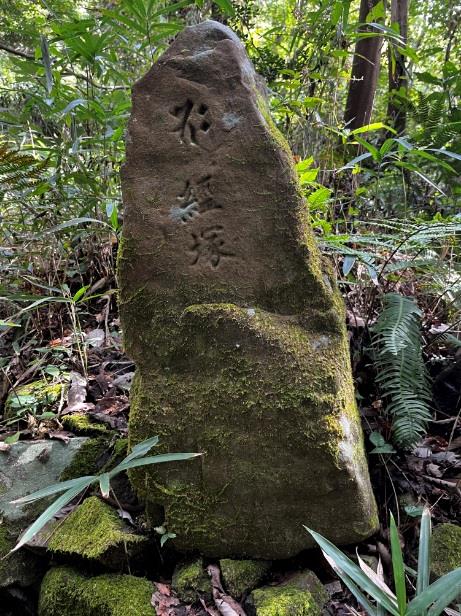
{"points": [[234, 323]]}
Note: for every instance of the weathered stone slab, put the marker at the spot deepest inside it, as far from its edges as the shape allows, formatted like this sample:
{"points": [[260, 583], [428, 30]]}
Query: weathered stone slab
{"points": [[234, 322]]}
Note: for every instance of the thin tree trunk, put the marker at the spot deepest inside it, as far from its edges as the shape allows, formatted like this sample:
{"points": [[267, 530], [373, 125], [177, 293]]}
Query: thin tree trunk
{"points": [[398, 81], [365, 72]]}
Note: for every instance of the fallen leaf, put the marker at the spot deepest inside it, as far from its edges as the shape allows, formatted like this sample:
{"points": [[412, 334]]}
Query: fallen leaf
{"points": [[227, 605]]}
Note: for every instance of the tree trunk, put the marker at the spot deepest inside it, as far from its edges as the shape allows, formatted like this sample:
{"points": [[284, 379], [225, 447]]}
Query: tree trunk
{"points": [[365, 71], [397, 73]]}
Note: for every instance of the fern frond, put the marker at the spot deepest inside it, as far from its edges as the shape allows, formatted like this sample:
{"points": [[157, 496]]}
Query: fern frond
{"points": [[18, 170], [402, 375]]}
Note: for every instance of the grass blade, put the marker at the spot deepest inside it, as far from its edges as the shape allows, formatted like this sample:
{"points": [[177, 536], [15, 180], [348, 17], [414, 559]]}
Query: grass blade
{"points": [[424, 553], [55, 488], [141, 449], [355, 573], [166, 457], [46, 516], [104, 484], [355, 590], [398, 567], [441, 592]]}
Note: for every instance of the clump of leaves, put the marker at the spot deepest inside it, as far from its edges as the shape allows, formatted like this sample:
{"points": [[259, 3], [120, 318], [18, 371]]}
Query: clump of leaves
{"points": [[73, 487], [363, 582]]}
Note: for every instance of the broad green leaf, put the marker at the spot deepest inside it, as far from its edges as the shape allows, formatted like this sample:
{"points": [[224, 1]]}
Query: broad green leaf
{"points": [[371, 127], [46, 516], [424, 553], [167, 457], [225, 6], [358, 594], [355, 573], [14, 438], [398, 567], [80, 293], [79, 482], [141, 449], [104, 484], [440, 593]]}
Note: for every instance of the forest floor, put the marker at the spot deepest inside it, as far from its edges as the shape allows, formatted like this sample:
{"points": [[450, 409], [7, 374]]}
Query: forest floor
{"points": [[89, 349]]}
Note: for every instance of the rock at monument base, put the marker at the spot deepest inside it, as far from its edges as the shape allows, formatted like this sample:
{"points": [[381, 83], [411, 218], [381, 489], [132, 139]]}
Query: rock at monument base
{"points": [[93, 531], [445, 549], [302, 595], [190, 581], [65, 591], [234, 323], [28, 467], [241, 576], [21, 568]]}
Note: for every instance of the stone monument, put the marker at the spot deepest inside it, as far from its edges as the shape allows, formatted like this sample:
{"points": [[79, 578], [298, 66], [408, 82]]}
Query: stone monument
{"points": [[233, 320]]}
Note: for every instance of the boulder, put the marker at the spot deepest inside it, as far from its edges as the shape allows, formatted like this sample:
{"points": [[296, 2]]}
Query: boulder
{"points": [[233, 319], [66, 591], [445, 549], [190, 581], [93, 531], [240, 576], [301, 595]]}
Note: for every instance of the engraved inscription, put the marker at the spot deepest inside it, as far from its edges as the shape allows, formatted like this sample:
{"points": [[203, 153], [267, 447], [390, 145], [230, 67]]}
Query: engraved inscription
{"points": [[209, 246], [196, 199], [192, 121]]}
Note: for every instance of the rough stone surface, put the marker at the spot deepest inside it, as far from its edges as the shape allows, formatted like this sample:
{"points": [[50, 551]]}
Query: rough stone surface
{"points": [[31, 466], [240, 576], [445, 549], [234, 322], [190, 580], [20, 568], [301, 595], [93, 531], [65, 591]]}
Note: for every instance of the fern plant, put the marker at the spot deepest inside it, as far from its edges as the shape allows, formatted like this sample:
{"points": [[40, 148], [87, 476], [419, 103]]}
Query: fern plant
{"points": [[17, 170], [402, 375]]}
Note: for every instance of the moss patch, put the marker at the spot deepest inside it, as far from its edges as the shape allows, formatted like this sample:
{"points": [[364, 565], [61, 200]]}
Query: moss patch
{"points": [[95, 531], [36, 397], [445, 549], [284, 600], [65, 591], [79, 423], [239, 576], [190, 580], [86, 460]]}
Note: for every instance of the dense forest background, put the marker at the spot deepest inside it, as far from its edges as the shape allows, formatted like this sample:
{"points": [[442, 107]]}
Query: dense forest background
{"points": [[368, 96]]}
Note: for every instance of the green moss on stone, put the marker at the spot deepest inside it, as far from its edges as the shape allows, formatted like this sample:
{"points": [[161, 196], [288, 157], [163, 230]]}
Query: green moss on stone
{"points": [[445, 549], [86, 460], [190, 580], [65, 591], [240, 576], [79, 423], [285, 600], [38, 396], [95, 531]]}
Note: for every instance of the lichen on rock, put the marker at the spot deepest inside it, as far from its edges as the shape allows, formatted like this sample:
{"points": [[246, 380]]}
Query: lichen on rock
{"points": [[445, 549], [65, 591], [190, 580], [95, 531], [240, 576]]}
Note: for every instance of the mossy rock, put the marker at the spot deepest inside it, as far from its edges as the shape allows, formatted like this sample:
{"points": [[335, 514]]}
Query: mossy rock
{"points": [[301, 595], [94, 531], [87, 460], [240, 576], [20, 568], [190, 580], [38, 396], [445, 549], [80, 423], [66, 592]]}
